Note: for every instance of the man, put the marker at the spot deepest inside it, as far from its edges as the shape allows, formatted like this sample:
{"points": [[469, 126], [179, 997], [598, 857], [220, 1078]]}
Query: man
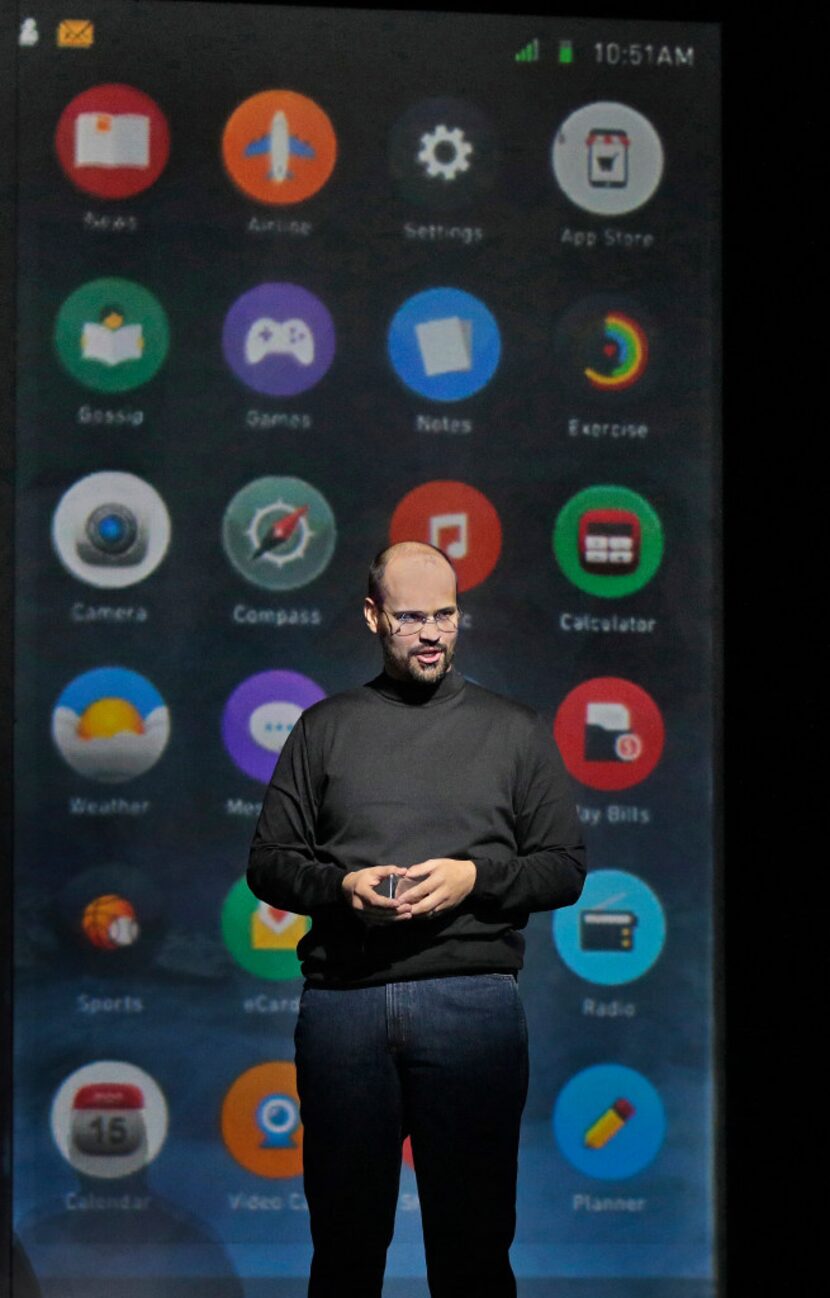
{"points": [[418, 820]]}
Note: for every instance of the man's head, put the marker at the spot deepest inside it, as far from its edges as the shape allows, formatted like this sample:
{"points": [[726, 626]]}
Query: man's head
{"points": [[407, 582]]}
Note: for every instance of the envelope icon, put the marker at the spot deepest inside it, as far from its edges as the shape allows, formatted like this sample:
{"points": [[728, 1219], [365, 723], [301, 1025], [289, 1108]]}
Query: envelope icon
{"points": [[76, 33]]}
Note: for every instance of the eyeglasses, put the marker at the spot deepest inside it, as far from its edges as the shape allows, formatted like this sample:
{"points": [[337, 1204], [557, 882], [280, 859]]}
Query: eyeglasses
{"points": [[409, 623]]}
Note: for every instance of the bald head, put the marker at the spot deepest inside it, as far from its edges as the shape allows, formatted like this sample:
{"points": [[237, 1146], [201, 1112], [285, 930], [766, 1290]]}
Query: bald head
{"points": [[417, 554], [410, 585]]}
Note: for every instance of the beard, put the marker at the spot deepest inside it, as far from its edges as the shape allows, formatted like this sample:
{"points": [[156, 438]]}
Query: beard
{"points": [[408, 668]]}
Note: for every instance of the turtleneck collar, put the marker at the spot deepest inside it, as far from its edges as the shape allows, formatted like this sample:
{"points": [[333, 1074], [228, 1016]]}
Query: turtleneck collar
{"points": [[415, 694]]}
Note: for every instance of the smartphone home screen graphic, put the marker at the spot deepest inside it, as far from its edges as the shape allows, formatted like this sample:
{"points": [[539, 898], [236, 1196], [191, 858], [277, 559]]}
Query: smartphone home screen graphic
{"points": [[293, 283]]}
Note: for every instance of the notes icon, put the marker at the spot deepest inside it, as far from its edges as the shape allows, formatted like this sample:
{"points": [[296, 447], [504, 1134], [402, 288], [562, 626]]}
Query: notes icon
{"points": [[446, 345]]}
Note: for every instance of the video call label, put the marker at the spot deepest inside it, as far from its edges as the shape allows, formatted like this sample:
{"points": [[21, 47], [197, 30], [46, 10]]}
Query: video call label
{"points": [[112, 141], [112, 335], [111, 530], [610, 733]]}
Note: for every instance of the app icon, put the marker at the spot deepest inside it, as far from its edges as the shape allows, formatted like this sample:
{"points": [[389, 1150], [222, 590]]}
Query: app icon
{"points": [[443, 153], [279, 533], [262, 938], [608, 541], [112, 141], [607, 158], [457, 518], [112, 335], [261, 1121], [278, 339], [111, 529], [112, 916], [75, 34], [28, 34], [109, 1119], [615, 932], [279, 147], [609, 1122], [260, 715], [444, 344], [610, 733], [604, 347], [110, 724]]}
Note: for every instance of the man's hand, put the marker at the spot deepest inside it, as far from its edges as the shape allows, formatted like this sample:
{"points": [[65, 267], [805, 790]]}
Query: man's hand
{"points": [[434, 886], [359, 890]]}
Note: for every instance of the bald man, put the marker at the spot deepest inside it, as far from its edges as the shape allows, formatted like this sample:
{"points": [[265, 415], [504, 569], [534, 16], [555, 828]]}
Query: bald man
{"points": [[418, 820]]}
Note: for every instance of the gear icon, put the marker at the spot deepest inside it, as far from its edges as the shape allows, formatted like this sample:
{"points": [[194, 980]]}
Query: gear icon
{"points": [[445, 152]]}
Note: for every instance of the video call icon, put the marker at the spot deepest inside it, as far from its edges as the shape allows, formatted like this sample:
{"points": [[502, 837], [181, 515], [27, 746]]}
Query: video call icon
{"points": [[260, 1121], [111, 530], [112, 141]]}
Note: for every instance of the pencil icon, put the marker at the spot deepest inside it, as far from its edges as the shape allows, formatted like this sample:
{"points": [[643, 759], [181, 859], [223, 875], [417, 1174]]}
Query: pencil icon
{"points": [[609, 1123]]}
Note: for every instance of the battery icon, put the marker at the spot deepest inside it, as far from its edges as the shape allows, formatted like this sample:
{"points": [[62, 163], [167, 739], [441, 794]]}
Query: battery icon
{"points": [[566, 52]]}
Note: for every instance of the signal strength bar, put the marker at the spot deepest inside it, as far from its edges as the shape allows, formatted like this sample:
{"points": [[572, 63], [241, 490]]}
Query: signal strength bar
{"points": [[529, 53]]}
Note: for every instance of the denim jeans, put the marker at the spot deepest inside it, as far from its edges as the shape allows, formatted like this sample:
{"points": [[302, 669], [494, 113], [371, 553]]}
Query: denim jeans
{"points": [[443, 1060]]}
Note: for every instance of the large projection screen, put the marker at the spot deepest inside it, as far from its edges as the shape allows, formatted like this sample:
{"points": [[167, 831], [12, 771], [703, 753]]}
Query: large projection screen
{"points": [[292, 282]]}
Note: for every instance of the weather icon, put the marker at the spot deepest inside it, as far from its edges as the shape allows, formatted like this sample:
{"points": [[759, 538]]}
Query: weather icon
{"points": [[111, 724]]}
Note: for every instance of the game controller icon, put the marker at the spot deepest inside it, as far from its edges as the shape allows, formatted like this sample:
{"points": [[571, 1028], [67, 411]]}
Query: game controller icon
{"points": [[267, 336]]}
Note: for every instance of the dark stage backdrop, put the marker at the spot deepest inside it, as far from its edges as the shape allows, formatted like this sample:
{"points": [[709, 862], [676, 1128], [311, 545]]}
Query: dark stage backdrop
{"points": [[293, 282]]}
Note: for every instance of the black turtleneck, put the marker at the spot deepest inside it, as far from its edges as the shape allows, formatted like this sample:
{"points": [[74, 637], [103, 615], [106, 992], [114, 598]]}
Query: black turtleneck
{"points": [[396, 772]]}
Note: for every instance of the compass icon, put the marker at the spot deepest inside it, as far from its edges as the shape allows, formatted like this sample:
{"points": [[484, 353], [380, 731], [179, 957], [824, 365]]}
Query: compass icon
{"points": [[279, 533]]}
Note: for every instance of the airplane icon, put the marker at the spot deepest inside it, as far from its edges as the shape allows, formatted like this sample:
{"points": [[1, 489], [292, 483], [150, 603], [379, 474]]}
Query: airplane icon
{"points": [[279, 145]]}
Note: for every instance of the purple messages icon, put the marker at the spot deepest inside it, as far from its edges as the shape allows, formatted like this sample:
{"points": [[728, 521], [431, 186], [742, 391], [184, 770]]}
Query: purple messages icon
{"points": [[278, 339], [260, 715]]}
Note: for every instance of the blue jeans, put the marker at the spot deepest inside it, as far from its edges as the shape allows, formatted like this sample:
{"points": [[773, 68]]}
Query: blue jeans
{"points": [[443, 1060]]}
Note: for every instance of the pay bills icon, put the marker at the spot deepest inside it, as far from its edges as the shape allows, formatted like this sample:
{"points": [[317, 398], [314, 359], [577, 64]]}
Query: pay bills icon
{"points": [[446, 345]]}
